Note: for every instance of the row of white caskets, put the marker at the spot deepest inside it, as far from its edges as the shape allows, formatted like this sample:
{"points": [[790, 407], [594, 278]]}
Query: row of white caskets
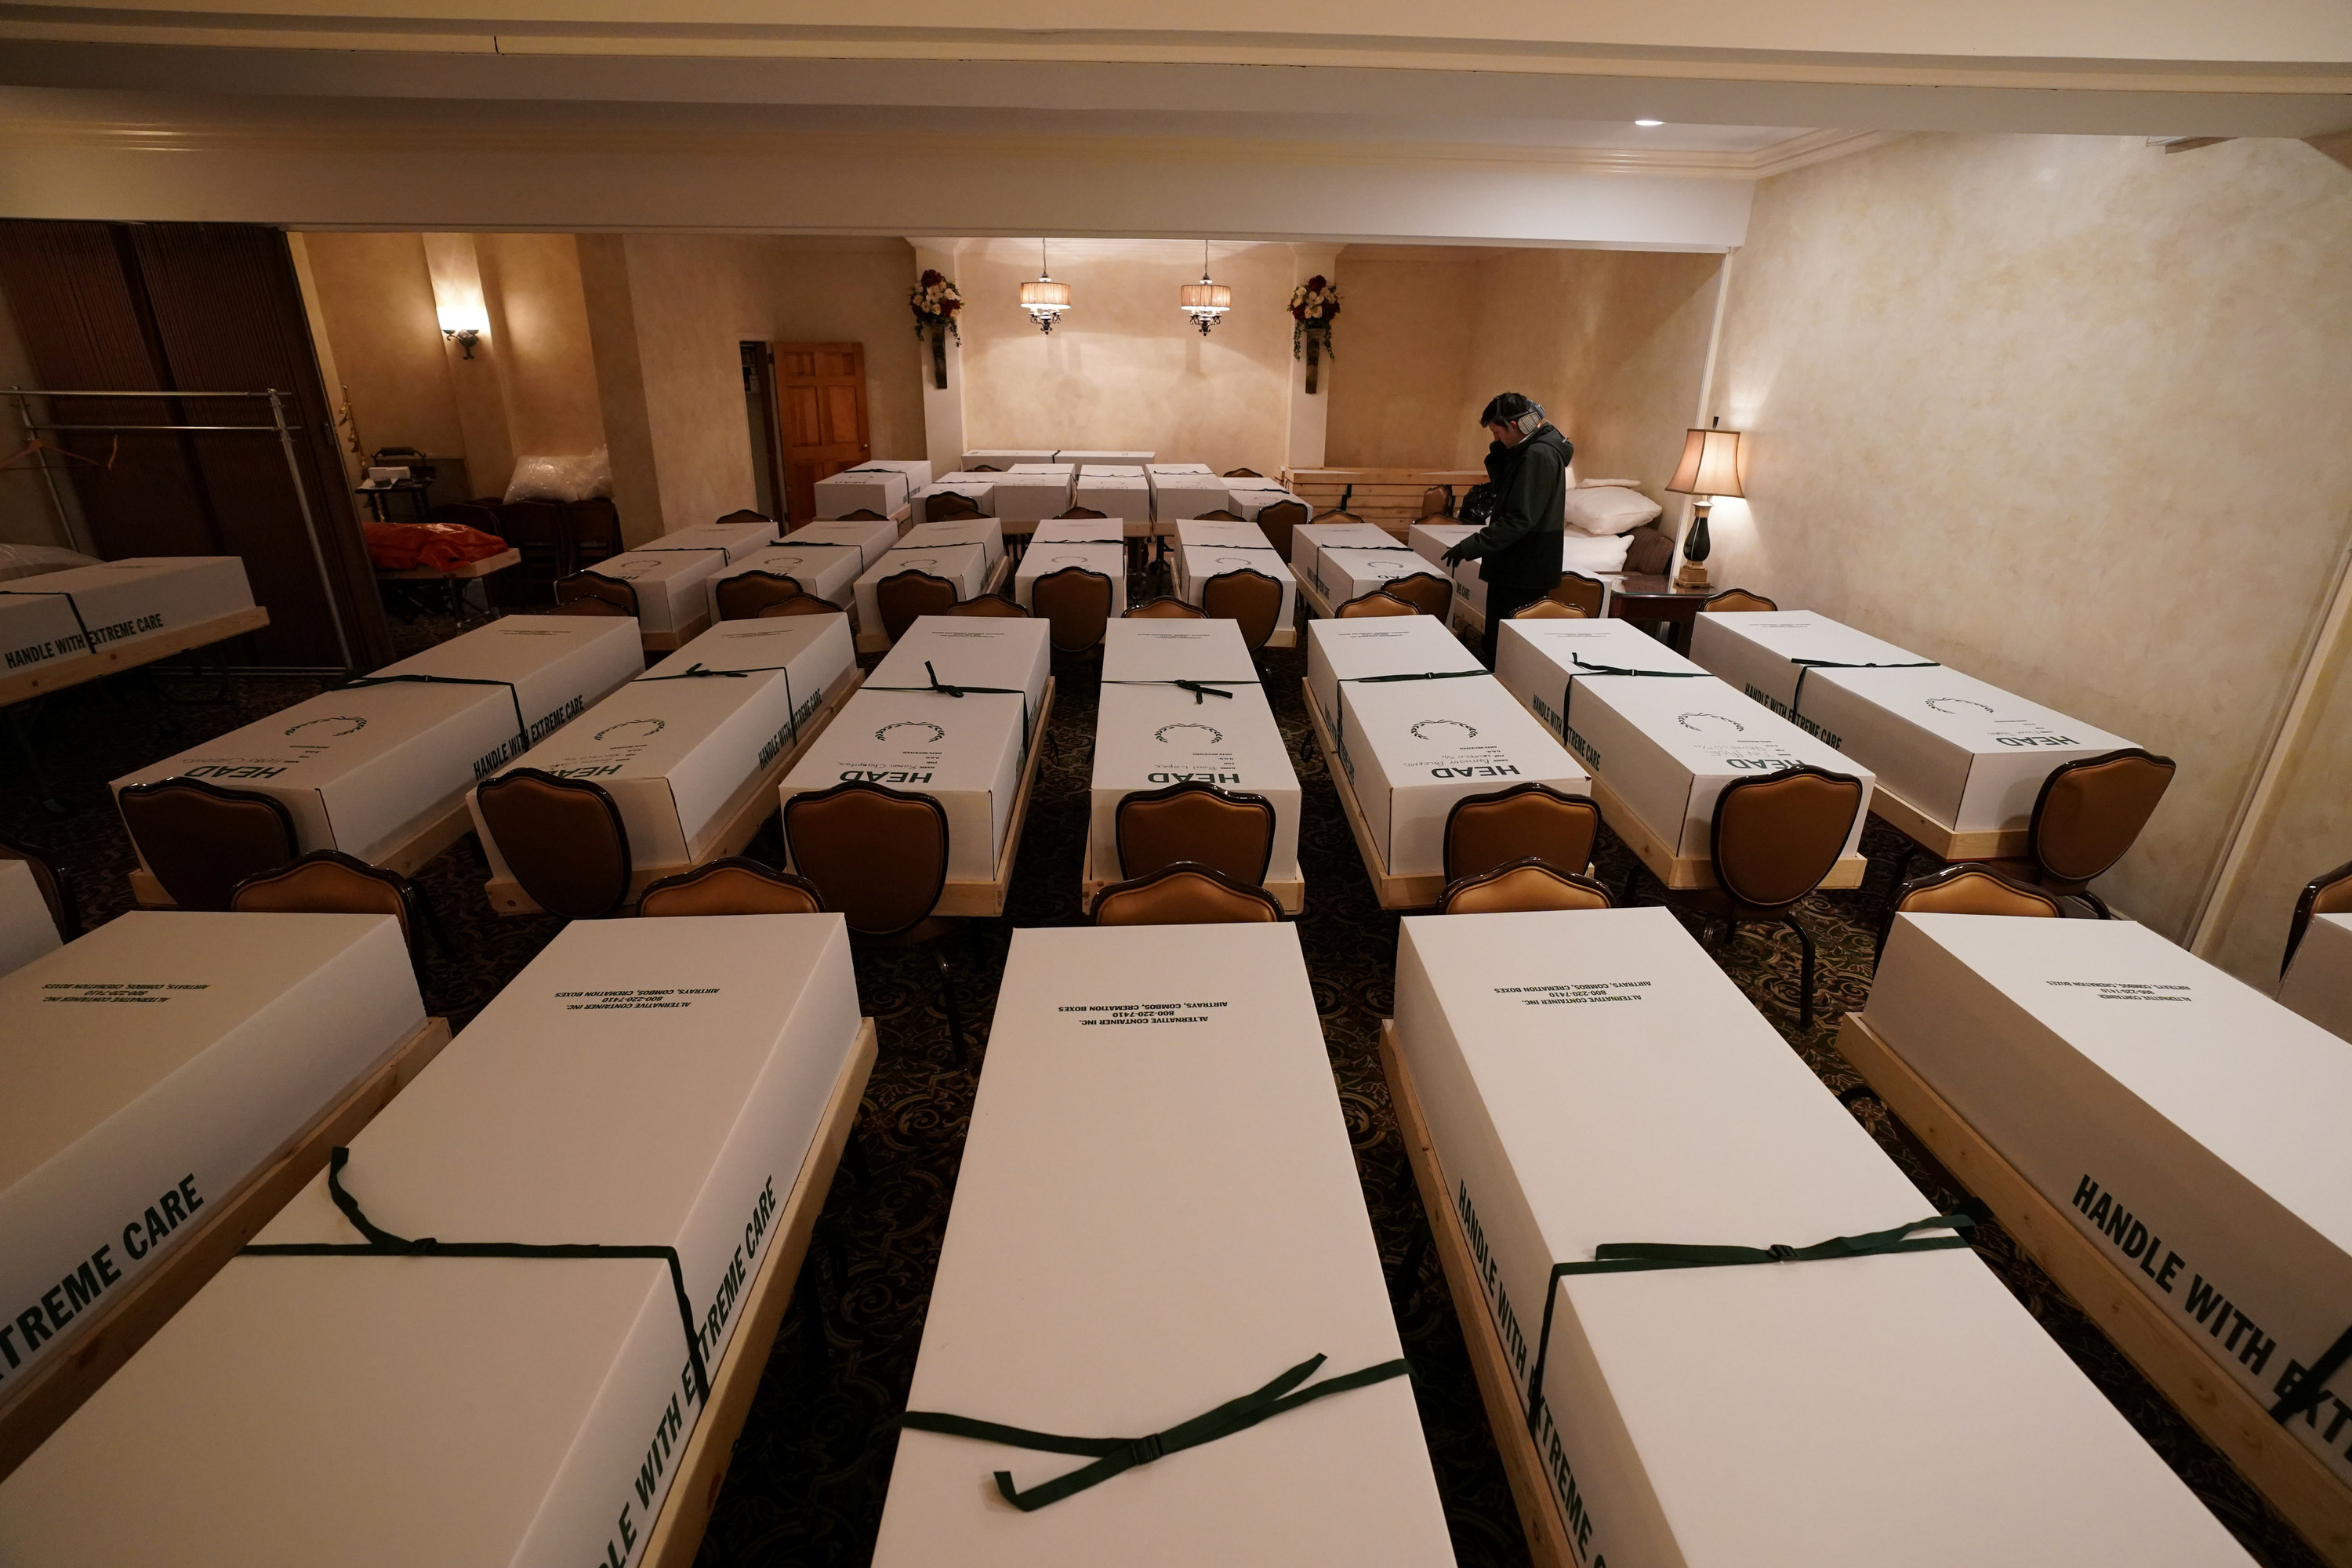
{"points": [[1158, 1212], [1021, 488]]}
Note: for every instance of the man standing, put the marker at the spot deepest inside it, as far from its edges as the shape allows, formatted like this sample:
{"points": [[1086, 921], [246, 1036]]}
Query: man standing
{"points": [[1519, 551]]}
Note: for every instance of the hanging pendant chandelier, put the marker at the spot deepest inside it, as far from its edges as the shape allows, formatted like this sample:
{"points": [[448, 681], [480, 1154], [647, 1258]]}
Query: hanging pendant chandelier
{"points": [[1045, 300], [1205, 301]]}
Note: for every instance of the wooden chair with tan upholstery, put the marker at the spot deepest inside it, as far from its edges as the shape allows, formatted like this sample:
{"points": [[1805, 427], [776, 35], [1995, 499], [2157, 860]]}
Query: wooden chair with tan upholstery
{"points": [[1242, 474], [330, 882], [1379, 602], [985, 468], [742, 597], [800, 604], [2329, 893], [591, 530], [1437, 501], [743, 515], [1075, 604], [1579, 592], [1078, 511], [1220, 515], [563, 839], [1525, 822], [1966, 889], [1772, 841], [947, 506], [589, 607], [54, 885], [1224, 830], [1185, 894], [863, 514], [1249, 598], [905, 597], [621, 597], [1548, 610], [1736, 599], [1276, 521], [986, 606], [734, 886], [1520, 887], [2089, 813], [1424, 591], [878, 858], [1165, 608], [200, 840]]}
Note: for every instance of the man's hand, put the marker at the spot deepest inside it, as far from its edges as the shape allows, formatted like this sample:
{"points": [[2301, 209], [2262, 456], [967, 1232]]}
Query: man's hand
{"points": [[1455, 557]]}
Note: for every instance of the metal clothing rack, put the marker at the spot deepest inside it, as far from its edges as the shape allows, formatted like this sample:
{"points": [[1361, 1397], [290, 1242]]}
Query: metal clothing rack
{"points": [[285, 433]]}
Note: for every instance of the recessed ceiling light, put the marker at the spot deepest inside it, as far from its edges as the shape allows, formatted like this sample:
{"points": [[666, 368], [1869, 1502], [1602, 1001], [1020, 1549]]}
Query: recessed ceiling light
{"points": [[1647, 123]]}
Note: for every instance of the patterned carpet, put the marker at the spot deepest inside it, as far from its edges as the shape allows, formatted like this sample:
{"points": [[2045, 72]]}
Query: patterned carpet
{"points": [[813, 1463]]}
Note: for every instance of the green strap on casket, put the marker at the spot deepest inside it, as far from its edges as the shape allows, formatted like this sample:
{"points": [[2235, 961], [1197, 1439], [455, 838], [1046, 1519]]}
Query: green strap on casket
{"points": [[1583, 668], [1339, 719], [1641, 1256], [381, 1243], [73, 605], [522, 729], [945, 689], [2312, 1387], [1201, 690], [1115, 1456], [1805, 667]]}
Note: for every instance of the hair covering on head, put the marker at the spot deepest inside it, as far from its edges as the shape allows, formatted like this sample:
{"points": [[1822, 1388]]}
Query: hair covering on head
{"points": [[1509, 408]]}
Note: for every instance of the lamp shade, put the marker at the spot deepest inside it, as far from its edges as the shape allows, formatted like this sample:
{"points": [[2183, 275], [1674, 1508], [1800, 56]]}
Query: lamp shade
{"points": [[1207, 298], [1044, 294], [1710, 465]]}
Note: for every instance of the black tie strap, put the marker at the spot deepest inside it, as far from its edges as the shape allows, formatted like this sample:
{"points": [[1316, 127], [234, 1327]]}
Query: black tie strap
{"points": [[2306, 1390], [381, 1243], [699, 670], [1585, 667], [1640, 1257], [659, 549], [1116, 1456], [522, 729], [1201, 690], [1340, 717], [943, 689], [71, 604], [1805, 667]]}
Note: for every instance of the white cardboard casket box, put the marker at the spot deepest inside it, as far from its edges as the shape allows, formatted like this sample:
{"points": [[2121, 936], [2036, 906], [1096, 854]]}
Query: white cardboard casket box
{"points": [[363, 770], [1382, 645], [1127, 497], [1022, 496], [964, 752], [1078, 531], [916, 469], [1668, 748], [1308, 537], [1157, 650], [1216, 531], [1430, 541], [1966, 752], [984, 532], [978, 489], [1412, 748], [154, 1066], [1343, 573], [870, 536], [1150, 737], [672, 586], [2318, 984], [1185, 495], [1157, 470], [524, 1412], [679, 757], [869, 487], [72, 613], [1757, 652], [1538, 661], [2181, 1121], [1109, 560], [1005, 456], [971, 651], [1247, 504], [1196, 563], [1130, 1247], [27, 929], [734, 540], [826, 571], [558, 665], [965, 566], [1044, 466], [1087, 458], [1593, 1078]]}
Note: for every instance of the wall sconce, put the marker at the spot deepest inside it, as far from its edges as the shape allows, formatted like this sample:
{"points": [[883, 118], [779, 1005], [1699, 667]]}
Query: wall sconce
{"points": [[1045, 300], [1710, 468], [1205, 301], [464, 328]]}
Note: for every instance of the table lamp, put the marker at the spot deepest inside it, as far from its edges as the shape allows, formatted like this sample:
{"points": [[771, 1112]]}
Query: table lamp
{"points": [[1710, 468]]}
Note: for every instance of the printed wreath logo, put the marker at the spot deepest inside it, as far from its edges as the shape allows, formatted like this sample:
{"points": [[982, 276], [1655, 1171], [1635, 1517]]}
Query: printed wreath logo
{"points": [[1421, 731], [920, 561], [646, 729], [1685, 720], [1956, 703], [356, 723], [1216, 736], [936, 735]]}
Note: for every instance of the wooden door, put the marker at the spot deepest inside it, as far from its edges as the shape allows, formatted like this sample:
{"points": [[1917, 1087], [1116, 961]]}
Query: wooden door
{"points": [[821, 408]]}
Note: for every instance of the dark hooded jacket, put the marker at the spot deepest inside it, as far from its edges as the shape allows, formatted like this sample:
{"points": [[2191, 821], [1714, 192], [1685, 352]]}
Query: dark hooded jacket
{"points": [[1521, 547]]}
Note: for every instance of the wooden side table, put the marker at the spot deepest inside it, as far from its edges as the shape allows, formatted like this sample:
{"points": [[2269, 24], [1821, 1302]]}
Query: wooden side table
{"points": [[1656, 600]]}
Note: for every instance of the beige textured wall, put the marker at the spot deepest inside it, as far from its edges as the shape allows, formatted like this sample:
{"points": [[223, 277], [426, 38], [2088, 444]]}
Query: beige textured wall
{"points": [[531, 282], [855, 291], [2067, 413], [1125, 368], [376, 298], [1400, 396]]}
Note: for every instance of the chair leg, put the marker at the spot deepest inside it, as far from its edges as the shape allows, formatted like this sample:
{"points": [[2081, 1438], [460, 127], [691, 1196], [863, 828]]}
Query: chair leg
{"points": [[955, 1014], [1805, 972]]}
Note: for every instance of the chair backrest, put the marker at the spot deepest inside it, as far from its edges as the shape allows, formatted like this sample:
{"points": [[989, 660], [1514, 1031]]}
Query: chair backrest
{"points": [[800, 604], [1275, 523], [621, 595], [1525, 822], [903, 597], [879, 856], [1966, 889], [949, 504], [536, 529], [55, 888], [1548, 610], [200, 841], [2090, 812], [1079, 511], [986, 469], [2329, 893], [1076, 606], [1520, 887], [1376, 602], [591, 530], [330, 882], [1579, 592], [1424, 591], [1249, 598], [863, 514], [1775, 838], [1231, 832], [990, 605], [1185, 894], [1243, 474], [733, 886], [743, 515], [742, 597], [1732, 599], [563, 838], [1437, 500], [1164, 608], [1221, 515]]}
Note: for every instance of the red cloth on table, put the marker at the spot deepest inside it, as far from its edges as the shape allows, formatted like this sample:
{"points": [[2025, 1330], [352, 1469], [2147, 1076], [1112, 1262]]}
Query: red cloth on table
{"points": [[399, 546]]}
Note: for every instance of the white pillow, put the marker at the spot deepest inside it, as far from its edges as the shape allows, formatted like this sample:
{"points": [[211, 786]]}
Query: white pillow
{"points": [[1586, 553], [1609, 508], [1604, 484]]}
